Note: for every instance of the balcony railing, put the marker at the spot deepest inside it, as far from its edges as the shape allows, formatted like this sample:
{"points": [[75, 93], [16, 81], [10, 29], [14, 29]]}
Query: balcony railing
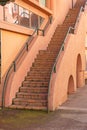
{"points": [[16, 14]]}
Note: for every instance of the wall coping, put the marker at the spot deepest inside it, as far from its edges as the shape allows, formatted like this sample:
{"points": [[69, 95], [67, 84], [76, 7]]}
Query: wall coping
{"points": [[37, 6], [15, 28]]}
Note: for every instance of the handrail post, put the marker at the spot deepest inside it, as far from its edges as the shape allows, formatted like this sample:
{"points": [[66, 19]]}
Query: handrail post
{"points": [[54, 69], [14, 64], [43, 33], [82, 9], [37, 31], [63, 47], [26, 46], [50, 19]]}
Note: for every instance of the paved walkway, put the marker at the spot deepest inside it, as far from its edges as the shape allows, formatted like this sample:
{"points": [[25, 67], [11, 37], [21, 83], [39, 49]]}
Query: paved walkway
{"points": [[76, 101], [72, 115]]}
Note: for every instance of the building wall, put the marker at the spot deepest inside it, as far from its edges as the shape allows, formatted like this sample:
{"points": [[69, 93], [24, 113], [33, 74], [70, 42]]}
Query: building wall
{"points": [[59, 18], [67, 66], [11, 44], [1, 12], [59, 13]]}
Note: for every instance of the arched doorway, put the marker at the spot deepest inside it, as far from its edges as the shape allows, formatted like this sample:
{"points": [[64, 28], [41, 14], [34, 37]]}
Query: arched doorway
{"points": [[79, 72], [70, 85]]}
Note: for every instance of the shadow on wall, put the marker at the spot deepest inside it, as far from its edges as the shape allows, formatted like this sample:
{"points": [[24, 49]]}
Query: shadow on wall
{"points": [[71, 87]]}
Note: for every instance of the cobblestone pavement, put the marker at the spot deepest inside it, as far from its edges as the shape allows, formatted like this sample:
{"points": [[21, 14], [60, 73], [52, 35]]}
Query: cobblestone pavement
{"points": [[72, 115]]}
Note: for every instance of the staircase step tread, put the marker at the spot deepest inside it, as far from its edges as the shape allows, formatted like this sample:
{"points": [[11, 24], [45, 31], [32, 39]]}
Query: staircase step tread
{"points": [[28, 107], [29, 100], [23, 93]]}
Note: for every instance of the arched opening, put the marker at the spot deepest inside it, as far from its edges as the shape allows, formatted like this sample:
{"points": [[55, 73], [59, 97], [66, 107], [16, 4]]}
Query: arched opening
{"points": [[79, 72], [70, 85]]}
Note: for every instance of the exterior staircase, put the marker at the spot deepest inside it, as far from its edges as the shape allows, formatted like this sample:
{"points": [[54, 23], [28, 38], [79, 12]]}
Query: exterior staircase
{"points": [[33, 93]]}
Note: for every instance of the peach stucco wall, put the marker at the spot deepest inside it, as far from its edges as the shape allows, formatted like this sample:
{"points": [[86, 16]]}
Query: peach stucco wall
{"points": [[11, 44], [1, 12], [60, 8], [39, 44], [32, 8], [67, 66]]}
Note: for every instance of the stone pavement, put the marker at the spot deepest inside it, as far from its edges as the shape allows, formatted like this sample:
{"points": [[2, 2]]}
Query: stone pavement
{"points": [[77, 101], [72, 115]]}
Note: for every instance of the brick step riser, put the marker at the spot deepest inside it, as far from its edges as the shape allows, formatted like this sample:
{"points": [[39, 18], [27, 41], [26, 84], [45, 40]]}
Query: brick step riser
{"points": [[35, 78], [34, 97], [37, 84], [52, 48], [33, 83], [39, 76], [17, 101], [39, 61], [30, 104], [57, 45], [28, 107], [42, 63], [42, 68], [51, 54], [31, 90], [39, 69], [30, 75]]}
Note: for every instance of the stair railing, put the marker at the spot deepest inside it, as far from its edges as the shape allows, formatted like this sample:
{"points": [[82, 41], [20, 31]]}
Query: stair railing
{"points": [[43, 30], [13, 66], [77, 20], [70, 30]]}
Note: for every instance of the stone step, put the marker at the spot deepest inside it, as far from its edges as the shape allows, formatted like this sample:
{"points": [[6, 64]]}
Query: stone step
{"points": [[42, 84], [28, 107], [30, 102], [33, 90], [36, 78], [26, 82], [35, 96]]}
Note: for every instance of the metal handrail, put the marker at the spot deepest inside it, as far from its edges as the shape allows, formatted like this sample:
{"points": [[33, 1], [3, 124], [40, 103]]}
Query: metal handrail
{"points": [[77, 20], [14, 65], [62, 49], [43, 30]]}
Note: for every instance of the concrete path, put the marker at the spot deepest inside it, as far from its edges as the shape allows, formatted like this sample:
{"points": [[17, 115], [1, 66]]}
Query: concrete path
{"points": [[72, 115], [76, 101]]}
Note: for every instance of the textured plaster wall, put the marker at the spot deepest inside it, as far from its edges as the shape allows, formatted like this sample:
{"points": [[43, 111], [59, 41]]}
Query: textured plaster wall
{"points": [[39, 44], [11, 44], [67, 66]]}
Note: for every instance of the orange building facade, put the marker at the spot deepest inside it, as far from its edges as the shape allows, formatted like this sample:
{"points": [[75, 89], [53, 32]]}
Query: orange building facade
{"points": [[42, 52]]}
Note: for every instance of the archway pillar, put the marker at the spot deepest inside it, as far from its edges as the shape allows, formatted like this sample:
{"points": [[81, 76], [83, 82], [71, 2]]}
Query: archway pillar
{"points": [[71, 87], [81, 81]]}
